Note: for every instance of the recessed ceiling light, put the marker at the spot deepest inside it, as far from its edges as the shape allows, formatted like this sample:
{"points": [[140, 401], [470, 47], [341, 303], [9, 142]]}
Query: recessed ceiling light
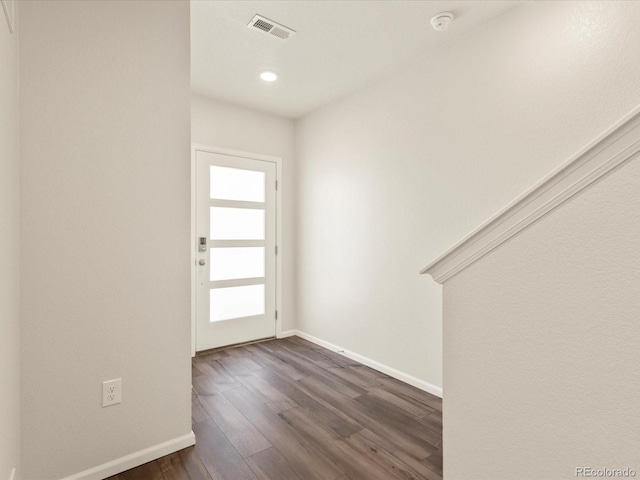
{"points": [[268, 76]]}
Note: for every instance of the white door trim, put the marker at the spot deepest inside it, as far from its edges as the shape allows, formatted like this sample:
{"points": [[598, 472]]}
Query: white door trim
{"points": [[195, 147]]}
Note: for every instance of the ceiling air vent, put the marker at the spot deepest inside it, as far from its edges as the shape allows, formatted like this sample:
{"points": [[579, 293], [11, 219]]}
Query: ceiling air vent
{"points": [[272, 28]]}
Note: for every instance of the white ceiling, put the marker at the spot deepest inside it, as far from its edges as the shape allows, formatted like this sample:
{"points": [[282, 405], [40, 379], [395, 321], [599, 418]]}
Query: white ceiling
{"points": [[339, 47]]}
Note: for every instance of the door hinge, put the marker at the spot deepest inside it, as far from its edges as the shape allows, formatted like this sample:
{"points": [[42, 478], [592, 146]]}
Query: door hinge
{"points": [[276, 184], [276, 249], [276, 314]]}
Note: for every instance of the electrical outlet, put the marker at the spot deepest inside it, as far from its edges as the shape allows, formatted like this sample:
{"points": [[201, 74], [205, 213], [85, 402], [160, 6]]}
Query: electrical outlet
{"points": [[111, 392]]}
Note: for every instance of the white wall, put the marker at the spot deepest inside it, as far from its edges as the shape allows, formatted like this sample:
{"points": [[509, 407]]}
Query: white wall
{"points": [[105, 146], [220, 124], [9, 254], [392, 176], [542, 366]]}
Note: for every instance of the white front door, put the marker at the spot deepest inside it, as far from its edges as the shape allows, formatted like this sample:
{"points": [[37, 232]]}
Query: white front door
{"points": [[235, 249]]}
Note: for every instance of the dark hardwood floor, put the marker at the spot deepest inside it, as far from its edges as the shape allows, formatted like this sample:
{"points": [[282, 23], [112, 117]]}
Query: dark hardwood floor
{"points": [[291, 410]]}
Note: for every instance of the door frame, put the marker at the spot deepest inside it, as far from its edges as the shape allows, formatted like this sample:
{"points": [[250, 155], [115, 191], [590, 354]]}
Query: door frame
{"points": [[196, 147]]}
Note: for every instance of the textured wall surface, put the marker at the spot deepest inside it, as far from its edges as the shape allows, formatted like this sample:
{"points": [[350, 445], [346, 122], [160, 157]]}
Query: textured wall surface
{"points": [[9, 254], [105, 144], [541, 357], [221, 124], [391, 177]]}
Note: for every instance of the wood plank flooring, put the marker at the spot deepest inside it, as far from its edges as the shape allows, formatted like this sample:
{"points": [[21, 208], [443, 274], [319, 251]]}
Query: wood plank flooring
{"points": [[291, 410]]}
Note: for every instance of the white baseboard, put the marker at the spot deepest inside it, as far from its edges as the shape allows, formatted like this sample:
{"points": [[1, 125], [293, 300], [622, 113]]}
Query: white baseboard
{"points": [[287, 333], [135, 459], [392, 372]]}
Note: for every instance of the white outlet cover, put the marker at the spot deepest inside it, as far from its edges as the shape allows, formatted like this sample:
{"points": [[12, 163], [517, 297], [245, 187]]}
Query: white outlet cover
{"points": [[111, 392]]}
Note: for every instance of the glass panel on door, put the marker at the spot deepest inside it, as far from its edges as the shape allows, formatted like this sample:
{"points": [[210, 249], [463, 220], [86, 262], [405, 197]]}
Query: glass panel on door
{"points": [[236, 184], [236, 262], [236, 223], [236, 302]]}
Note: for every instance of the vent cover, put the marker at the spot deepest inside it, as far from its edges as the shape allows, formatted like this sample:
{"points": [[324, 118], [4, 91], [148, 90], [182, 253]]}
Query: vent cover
{"points": [[272, 28]]}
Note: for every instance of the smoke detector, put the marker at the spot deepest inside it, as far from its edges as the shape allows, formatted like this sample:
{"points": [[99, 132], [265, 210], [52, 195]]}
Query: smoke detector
{"points": [[270, 27], [441, 21]]}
